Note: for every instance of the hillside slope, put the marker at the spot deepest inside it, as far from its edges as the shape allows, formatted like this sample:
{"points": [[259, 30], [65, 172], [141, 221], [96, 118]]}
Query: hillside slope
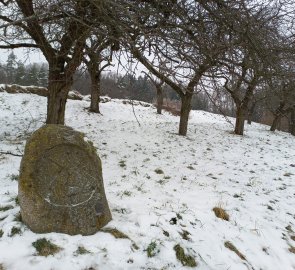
{"points": [[161, 189]]}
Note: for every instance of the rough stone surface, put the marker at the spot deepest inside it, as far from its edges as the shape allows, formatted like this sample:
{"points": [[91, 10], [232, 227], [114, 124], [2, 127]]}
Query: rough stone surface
{"points": [[61, 185]]}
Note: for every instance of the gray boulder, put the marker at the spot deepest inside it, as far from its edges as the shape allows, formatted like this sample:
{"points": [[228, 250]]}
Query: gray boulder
{"points": [[61, 185]]}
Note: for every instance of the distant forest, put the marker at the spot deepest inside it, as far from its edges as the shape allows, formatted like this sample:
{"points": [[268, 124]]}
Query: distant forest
{"points": [[134, 88], [112, 84]]}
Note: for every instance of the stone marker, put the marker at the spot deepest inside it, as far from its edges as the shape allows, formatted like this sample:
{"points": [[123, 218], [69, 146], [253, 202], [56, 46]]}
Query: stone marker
{"points": [[61, 185]]}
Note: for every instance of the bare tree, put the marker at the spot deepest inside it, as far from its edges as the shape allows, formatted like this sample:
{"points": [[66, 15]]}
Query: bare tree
{"points": [[98, 56], [186, 38], [159, 91], [57, 28], [254, 43]]}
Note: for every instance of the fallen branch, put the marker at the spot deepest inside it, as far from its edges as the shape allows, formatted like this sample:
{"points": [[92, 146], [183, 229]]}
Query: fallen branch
{"points": [[10, 153]]}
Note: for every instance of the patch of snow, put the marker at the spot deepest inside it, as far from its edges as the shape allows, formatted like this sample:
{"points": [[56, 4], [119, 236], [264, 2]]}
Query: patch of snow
{"points": [[251, 177]]}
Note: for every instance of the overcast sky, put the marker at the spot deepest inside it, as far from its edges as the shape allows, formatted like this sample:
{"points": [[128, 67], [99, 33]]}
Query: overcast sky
{"points": [[30, 56], [24, 55]]}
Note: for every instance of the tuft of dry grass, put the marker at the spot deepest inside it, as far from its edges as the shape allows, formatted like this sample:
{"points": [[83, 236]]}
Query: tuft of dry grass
{"points": [[221, 213], [231, 247], [116, 233], [120, 235]]}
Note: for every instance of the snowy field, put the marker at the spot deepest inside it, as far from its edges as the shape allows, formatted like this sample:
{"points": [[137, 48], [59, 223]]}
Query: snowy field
{"points": [[161, 190]]}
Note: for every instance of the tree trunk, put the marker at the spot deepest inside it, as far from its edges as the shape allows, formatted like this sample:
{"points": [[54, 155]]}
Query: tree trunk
{"points": [[95, 92], [184, 113], [159, 99], [58, 88], [251, 113], [240, 120], [278, 115], [292, 122], [275, 122]]}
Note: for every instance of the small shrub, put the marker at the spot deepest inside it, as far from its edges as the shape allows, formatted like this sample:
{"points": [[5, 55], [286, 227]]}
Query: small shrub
{"points": [[1, 234], [231, 247], [221, 213], [152, 249], [159, 171], [186, 260], [14, 231], [45, 248], [292, 249]]}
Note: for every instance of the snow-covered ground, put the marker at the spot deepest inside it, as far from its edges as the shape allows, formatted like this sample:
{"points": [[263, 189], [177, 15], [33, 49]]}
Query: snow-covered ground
{"points": [[161, 189]]}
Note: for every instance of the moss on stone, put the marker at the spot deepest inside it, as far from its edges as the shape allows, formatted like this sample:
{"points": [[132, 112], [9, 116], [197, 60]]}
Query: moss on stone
{"points": [[66, 148]]}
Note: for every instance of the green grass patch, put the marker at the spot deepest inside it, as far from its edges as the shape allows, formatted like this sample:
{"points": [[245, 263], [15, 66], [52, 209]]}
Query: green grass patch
{"points": [[122, 163], [152, 249], [45, 248], [185, 235], [6, 208], [81, 251], [18, 217], [16, 200], [186, 260], [14, 231], [159, 171], [14, 177]]}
